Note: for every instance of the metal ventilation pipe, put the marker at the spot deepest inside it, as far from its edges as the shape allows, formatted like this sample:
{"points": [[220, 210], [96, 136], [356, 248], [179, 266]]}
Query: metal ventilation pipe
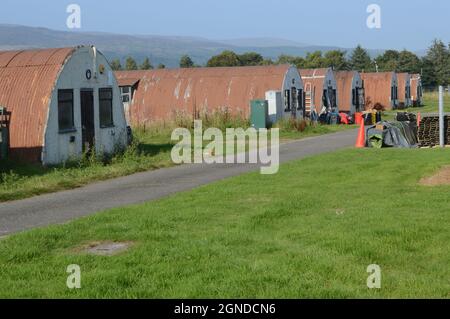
{"points": [[94, 61]]}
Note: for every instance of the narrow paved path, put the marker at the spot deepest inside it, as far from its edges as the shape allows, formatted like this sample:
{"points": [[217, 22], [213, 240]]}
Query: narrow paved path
{"points": [[67, 205]]}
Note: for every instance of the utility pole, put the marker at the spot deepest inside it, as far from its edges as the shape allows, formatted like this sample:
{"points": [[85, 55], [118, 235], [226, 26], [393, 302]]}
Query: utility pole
{"points": [[441, 116]]}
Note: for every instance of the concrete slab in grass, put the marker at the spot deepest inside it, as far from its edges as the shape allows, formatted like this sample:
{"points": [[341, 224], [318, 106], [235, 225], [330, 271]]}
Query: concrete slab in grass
{"points": [[106, 248]]}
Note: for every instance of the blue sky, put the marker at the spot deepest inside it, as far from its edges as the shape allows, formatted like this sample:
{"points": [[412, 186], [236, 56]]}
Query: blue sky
{"points": [[410, 24]]}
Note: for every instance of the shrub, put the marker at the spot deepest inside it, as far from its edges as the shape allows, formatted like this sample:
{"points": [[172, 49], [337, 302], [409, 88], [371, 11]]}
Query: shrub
{"points": [[292, 124]]}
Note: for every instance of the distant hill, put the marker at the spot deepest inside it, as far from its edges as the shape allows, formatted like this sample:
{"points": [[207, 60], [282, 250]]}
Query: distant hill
{"points": [[263, 42], [160, 49]]}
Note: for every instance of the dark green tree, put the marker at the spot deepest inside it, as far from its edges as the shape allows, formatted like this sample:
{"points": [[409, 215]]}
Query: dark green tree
{"points": [[299, 62], [146, 65], [267, 62], [161, 66], [115, 65], [251, 59], [314, 60], [409, 62], [388, 61], [360, 60], [186, 62], [438, 58], [336, 59], [286, 59], [428, 76], [226, 58], [130, 64]]}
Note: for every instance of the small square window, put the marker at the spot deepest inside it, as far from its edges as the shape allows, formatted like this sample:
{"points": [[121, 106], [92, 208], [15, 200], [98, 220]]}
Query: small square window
{"points": [[126, 93]]}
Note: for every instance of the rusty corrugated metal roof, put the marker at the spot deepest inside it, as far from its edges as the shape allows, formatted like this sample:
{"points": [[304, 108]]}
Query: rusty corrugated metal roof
{"points": [[27, 79], [314, 73], [344, 83], [403, 79], [127, 81], [378, 89], [162, 93]]}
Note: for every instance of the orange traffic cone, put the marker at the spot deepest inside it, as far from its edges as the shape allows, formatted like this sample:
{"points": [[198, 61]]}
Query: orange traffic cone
{"points": [[419, 119], [361, 141]]}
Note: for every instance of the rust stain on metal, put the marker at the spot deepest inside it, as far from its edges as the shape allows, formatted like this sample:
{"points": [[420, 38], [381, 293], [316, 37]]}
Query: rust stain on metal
{"points": [[27, 79], [162, 93], [378, 89], [404, 80], [344, 82], [127, 82]]}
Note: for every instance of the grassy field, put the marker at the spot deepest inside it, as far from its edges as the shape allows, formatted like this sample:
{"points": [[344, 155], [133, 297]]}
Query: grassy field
{"points": [[309, 231], [151, 150], [430, 105]]}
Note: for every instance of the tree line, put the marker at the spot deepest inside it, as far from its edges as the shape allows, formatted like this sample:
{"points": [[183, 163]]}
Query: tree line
{"points": [[132, 65], [434, 66]]}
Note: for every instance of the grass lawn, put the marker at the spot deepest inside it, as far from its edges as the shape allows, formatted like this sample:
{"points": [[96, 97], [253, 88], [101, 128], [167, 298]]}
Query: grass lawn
{"points": [[309, 231], [430, 105], [151, 151], [19, 180]]}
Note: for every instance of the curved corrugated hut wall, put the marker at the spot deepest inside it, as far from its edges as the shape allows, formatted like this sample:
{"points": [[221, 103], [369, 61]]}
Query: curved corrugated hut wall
{"points": [[378, 89], [161, 94], [345, 85], [27, 79], [404, 81]]}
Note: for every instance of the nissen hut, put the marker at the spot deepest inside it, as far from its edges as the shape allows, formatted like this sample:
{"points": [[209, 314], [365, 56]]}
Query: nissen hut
{"points": [[416, 90], [381, 90], [320, 90], [61, 102], [404, 89], [351, 91], [161, 95]]}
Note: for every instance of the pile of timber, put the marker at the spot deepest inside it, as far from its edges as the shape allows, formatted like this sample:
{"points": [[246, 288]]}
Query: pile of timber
{"points": [[428, 134]]}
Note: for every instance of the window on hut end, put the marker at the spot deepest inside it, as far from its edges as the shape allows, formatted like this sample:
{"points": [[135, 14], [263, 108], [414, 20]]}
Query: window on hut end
{"points": [[325, 98], [106, 107], [287, 100], [65, 110], [294, 98], [361, 98], [125, 92], [334, 99], [300, 99]]}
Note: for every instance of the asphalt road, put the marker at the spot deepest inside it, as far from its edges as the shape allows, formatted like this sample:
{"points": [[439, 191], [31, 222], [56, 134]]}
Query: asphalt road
{"points": [[64, 206]]}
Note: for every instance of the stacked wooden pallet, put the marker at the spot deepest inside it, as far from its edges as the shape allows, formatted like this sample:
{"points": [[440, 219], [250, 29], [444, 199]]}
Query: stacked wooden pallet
{"points": [[428, 134]]}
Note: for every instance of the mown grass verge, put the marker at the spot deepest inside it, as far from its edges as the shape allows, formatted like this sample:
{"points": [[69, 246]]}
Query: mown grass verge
{"points": [[151, 150], [309, 231], [430, 105]]}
